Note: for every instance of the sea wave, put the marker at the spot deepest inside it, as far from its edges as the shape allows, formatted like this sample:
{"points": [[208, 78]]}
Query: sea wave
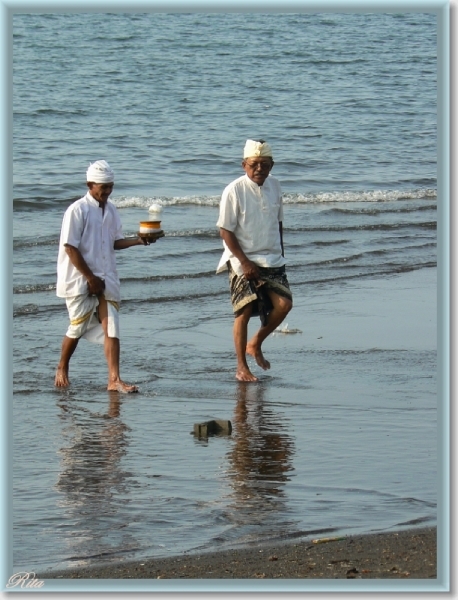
{"points": [[34, 242], [361, 196], [33, 288], [432, 225], [46, 241], [352, 268], [157, 203], [209, 234]]}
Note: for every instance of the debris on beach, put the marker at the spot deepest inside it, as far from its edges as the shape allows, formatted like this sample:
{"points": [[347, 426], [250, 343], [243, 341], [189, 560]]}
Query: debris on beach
{"points": [[352, 573], [213, 427], [285, 329], [325, 540]]}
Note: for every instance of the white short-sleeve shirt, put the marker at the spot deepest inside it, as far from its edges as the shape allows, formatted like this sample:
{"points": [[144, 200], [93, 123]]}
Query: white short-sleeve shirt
{"points": [[253, 214], [94, 232]]}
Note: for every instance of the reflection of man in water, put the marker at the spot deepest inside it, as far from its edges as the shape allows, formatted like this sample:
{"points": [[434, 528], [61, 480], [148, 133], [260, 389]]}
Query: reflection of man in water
{"points": [[250, 222], [260, 458], [93, 482]]}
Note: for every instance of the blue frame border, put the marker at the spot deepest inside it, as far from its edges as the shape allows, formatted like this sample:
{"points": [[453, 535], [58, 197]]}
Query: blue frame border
{"points": [[444, 11]]}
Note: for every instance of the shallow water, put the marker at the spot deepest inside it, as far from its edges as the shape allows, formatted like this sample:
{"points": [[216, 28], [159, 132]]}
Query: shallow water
{"points": [[340, 435]]}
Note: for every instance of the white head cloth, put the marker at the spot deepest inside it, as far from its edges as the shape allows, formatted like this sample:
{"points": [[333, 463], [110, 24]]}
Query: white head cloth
{"points": [[100, 172], [255, 148]]}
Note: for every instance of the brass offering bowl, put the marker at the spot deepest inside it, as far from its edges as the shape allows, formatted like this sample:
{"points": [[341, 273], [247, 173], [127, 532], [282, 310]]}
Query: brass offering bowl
{"points": [[150, 227], [150, 230]]}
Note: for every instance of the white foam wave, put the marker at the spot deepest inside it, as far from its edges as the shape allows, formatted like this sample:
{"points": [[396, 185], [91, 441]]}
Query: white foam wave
{"points": [[156, 204], [360, 196]]}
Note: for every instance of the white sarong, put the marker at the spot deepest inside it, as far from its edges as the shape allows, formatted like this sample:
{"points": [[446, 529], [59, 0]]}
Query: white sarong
{"points": [[84, 320]]}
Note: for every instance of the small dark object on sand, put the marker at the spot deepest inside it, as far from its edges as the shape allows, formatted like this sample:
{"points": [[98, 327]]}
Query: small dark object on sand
{"points": [[213, 427]]}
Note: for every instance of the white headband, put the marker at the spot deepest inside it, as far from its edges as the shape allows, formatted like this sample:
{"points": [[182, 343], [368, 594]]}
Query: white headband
{"points": [[254, 148], [100, 172]]}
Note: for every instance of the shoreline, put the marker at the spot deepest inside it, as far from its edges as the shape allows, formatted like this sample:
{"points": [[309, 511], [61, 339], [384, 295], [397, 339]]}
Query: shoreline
{"points": [[407, 554]]}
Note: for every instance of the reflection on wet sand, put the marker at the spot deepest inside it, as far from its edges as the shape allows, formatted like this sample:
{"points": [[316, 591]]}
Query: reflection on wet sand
{"points": [[92, 480], [260, 460]]}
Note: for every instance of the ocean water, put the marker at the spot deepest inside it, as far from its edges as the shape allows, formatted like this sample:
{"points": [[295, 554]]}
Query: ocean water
{"points": [[340, 436]]}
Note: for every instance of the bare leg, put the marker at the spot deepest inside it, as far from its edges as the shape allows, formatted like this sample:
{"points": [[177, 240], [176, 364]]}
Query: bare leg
{"points": [[240, 341], [68, 347], [281, 307], [112, 353]]}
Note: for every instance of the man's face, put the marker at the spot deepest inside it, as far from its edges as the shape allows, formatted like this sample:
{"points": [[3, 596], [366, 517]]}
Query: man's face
{"points": [[258, 168], [100, 191]]}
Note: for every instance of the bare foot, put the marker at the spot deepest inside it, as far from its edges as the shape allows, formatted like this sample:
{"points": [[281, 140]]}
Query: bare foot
{"points": [[121, 386], [257, 354], [61, 379], [244, 374]]}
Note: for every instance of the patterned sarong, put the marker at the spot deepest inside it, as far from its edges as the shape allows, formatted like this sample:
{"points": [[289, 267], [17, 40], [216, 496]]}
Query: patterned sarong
{"points": [[243, 291]]}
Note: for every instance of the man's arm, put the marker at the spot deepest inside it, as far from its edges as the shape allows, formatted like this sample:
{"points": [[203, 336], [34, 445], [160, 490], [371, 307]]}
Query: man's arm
{"points": [[129, 242], [280, 225], [95, 284], [250, 269]]}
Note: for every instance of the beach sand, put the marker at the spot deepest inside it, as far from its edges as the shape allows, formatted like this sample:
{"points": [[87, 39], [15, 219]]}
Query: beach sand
{"points": [[407, 554]]}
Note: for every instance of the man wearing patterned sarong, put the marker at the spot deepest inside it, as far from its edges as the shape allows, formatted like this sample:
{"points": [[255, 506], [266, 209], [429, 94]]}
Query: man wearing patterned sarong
{"points": [[250, 222], [87, 277]]}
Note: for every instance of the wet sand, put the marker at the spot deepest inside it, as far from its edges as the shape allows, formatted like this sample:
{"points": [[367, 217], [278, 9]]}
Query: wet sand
{"points": [[401, 555]]}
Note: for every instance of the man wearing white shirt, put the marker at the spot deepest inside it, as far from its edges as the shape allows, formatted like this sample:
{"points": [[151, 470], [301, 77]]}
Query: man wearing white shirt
{"points": [[250, 222], [87, 277]]}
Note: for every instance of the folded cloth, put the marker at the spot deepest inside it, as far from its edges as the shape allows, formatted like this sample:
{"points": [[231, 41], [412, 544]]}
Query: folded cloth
{"points": [[263, 300], [244, 292], [100, 172], [84, 319], [256, 148]]}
